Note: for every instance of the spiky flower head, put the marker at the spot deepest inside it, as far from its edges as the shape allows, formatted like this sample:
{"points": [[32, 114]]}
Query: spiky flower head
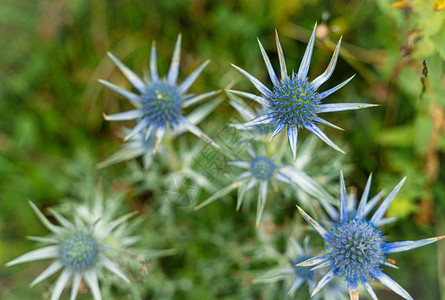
{"points": [[77, 249], [294, 101], [260, 170], [160, 102], [356, 248]]}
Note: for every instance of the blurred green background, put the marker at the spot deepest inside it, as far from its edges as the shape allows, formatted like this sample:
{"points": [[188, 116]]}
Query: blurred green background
{"points": [[52, 133]]}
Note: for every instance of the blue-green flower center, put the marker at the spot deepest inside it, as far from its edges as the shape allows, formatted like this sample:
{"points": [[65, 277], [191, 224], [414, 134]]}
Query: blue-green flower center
{"points": [[78, 250], [161, 104], [303, 272], [294, 102], [262, 168], [355, 249]]}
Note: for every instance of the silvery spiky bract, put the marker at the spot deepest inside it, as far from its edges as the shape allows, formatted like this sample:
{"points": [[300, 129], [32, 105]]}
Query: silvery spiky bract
{"points": [[136, 146], [356, 249], [301, 275], [260, 170], [256, 132], [77, 250], [294, 102], [160, 102]]}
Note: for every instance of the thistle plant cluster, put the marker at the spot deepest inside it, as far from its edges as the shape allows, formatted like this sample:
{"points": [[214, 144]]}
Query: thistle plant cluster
{"points": [[97, 237]]}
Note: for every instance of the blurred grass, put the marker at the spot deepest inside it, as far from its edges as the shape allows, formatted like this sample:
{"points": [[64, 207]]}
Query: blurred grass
{"points": [[52, 134]]}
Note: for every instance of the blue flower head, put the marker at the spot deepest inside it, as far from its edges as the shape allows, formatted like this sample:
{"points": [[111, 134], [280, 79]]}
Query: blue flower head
{"points": [[79, 250], [260, 170], [159, 103], [294, 102], [357, 249]]}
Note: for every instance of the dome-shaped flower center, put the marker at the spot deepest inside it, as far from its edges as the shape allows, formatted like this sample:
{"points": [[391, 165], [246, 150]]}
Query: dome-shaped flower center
{"points": [[355, 249], [303, 272], [294, 102], [161, 103], [78, 250], [262, 168]]}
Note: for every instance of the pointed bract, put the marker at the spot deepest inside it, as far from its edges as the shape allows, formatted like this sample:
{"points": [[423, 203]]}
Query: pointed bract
{"points": [[135, 99], [283, 68], [317, 82], [368, 288], [391, 284], [154, 63], [320, 229], [313, 261], [325, 94], [323, 121], [173, 72], [397, 247], [260, 87], [343, 199], [323, 282], [364, 199], [378, 215], [53, 268], [324, 108], [270, 70], [317, 131], [305, 62], [292, 134], [135, 80], [278, 129], [187, 83], [262, 196], [61, 283], [77, 279], [253, 97]]}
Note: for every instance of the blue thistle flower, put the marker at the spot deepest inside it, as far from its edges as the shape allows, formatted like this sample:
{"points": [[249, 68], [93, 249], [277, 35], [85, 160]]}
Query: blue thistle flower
{"points": [[160, 101], [77, 249], [294, 101], [262, 170], [357, 249]]}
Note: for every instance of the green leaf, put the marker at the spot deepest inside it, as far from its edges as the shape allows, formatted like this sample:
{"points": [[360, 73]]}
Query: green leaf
{"points": [[423, 126], [401, 136]]}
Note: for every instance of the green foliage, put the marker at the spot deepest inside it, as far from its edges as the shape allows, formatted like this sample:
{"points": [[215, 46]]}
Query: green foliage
{"points": [[52, 133]]}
